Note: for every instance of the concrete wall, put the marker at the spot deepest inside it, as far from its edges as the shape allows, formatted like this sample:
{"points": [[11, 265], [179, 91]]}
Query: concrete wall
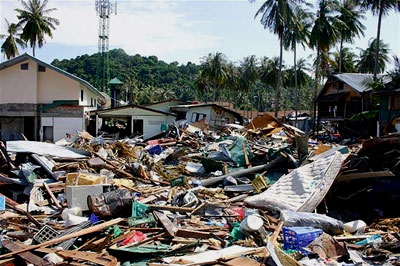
{"points": [[19, 86], [61, 126], [152, 124], [53, 85], [89, 99]]}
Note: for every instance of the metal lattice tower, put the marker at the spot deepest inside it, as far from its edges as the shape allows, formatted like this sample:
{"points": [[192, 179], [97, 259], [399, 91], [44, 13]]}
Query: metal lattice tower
{"points": [[104, 9]]}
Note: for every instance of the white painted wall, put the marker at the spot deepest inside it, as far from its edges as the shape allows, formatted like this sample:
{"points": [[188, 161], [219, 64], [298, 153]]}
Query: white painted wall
{"points": [[164, 106], [61, 126], [152, 124], [19, 86]]}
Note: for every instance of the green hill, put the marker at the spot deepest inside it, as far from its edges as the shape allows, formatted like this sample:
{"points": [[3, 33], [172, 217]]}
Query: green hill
{"points": [[138, 73]]}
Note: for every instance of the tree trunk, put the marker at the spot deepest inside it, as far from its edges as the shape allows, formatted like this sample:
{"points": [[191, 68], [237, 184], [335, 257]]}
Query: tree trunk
{"points": [[378, 36], [33, 49], [278, 86], [340, 55], [316, 90], [295, 84]]}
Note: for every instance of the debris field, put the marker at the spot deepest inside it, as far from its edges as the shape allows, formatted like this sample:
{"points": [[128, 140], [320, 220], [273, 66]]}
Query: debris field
{"points": [[261, 194]]}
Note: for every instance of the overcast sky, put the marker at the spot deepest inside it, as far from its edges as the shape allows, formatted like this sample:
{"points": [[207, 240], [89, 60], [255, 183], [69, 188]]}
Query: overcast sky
{"points": [[179, 30]]}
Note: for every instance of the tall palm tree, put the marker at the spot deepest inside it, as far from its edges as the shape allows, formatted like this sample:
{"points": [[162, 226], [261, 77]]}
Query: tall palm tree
{"points": [[35, 22], [12, 39], [367, 61], [298, 78], [248, 73], [350, 15], [275, 15], [270, 71], [344, 61], [298, 32], [324, 34], [213, 68], [380, 8]]}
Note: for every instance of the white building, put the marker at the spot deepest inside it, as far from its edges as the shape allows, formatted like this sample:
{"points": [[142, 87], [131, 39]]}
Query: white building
{"points": [[42, 101]]}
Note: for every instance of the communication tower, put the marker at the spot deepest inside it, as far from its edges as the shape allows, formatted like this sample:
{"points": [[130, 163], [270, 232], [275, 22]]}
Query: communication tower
{"points": [[104, 9]]}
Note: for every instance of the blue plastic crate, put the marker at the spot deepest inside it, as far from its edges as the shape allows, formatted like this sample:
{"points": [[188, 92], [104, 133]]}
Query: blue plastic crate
{"points": [[297, 238]]}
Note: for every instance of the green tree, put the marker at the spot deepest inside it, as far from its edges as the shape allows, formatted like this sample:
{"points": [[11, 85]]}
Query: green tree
{"points": [[232, 82], [344, 61], [270, 71], [9, 47], [275, 15], [248, 74], [35, 22], [350, 15], [380, 8], [213, 68], [367, 61], [298, 32], [324, 34], [298, 78]]}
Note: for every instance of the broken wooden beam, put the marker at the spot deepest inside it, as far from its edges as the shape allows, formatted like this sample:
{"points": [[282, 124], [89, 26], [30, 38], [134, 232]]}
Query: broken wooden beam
{"points": [[82, 232]]}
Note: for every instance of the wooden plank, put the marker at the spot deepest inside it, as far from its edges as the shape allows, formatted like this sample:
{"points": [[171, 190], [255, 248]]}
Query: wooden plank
{"points": [[53, 198], [246, 157], [170, 208], [169, 227], [13, 205], [355, 176], [105, 260], [86, 231], [198, 234], [27, 256]]}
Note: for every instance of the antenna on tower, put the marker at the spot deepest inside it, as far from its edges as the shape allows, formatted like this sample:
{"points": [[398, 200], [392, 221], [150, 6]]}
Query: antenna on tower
{"points": [[103, 10]]}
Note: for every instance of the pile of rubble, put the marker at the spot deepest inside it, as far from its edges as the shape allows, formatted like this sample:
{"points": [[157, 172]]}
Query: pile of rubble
{"points": [[260, 194]]}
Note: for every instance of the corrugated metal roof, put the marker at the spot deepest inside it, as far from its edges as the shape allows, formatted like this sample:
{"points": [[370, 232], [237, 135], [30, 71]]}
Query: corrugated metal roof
{"points": [[358, 81]]}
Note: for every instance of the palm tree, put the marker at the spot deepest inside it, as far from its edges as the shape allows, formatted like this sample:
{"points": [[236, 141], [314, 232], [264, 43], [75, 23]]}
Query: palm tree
{"points": [[12, 39], [298, 78], [213, 69], [202, 85], [324, 34], [275, 15], [35, 22], [344, 61], [270, 71], [350, 15], [232, 82], [298, 32], [380, 8], [367, 61], [248, 73]]}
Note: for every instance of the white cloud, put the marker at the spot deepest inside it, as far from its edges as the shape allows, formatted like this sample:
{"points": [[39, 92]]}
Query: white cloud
{"points": [[153, 27]]}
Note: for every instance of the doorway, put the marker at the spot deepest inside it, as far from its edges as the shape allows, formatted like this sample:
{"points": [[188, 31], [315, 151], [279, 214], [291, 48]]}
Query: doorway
{"points": [[137, 127]]}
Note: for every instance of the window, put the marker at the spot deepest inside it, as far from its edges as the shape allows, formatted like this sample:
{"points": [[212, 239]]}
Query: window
{"points": [[24, 66], [155, 123], [197, 116], [42, 68], [81, 95], [91, 101], [95, 103]]}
